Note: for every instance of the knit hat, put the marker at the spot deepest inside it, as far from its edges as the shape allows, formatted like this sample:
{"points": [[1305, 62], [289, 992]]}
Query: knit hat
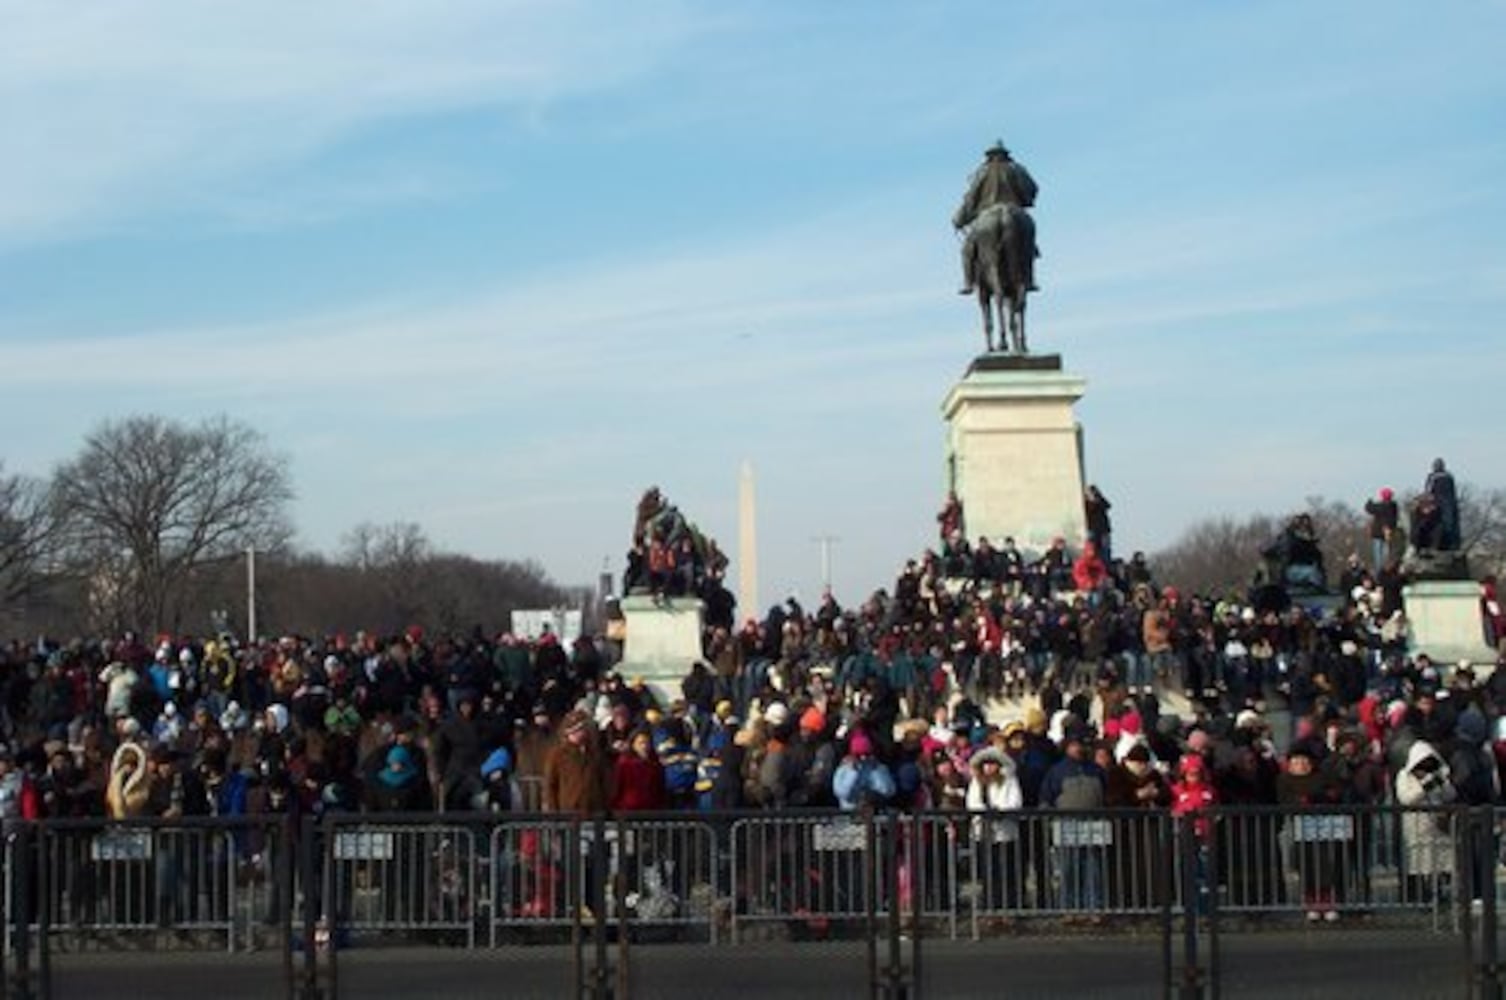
{"points": [[399, 770], [992, 755], [574, 721], [913, 728], [498, 760], [1191, 764], [812, 720], [860, 745], [777, 714], [1035, 720]]}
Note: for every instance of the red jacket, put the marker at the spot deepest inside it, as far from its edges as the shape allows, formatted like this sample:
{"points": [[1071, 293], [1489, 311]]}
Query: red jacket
{"points": [[1194, 800], [637, 784]]}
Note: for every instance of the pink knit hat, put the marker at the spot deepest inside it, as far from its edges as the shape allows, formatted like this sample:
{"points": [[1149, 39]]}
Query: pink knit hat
{"points": [[860, 744]]}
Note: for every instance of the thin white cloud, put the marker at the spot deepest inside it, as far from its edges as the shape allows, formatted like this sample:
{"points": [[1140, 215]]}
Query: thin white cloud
{"points": [[110, 109]]}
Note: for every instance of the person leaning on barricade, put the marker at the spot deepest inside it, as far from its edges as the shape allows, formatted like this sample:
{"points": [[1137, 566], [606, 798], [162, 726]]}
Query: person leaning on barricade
{"points": [[1076, 784]]}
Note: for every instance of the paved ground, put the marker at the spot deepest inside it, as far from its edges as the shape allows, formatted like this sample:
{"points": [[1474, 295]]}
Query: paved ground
{"points": [[1289, 964]]}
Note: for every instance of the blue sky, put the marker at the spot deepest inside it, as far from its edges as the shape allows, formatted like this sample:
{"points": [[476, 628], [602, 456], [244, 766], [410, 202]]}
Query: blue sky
{"points": [[496, 266]]}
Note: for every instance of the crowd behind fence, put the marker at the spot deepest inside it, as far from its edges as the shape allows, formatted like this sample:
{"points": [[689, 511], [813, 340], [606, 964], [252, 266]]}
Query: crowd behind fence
{"points": [[732, 878]]}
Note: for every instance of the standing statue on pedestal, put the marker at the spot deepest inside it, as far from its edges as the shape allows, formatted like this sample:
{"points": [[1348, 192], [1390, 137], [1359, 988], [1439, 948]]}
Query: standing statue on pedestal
{"points": [[999, 251]]}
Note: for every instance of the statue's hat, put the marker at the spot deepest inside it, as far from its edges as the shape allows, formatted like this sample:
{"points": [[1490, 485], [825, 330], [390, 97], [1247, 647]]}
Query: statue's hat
{"points": [[997, 149]]}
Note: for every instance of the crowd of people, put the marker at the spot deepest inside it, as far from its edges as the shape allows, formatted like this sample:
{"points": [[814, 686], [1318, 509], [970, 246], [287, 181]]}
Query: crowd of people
{"points": [[981, 681]]}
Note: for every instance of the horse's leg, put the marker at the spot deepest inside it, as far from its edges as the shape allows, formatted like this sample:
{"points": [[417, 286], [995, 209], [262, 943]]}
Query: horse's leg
{"points": [[1014, 325], [1020, 320], [988, 318]]}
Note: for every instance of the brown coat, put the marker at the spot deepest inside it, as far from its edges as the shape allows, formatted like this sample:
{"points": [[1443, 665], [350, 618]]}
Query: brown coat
{"points": [[575, 778], [1157, 631]]}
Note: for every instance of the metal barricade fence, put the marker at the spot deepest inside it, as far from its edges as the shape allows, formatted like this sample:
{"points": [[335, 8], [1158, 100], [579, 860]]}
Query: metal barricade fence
{"points": [[98, 879], [1053, 865], [9, 845], [811, 869], [1317, 860], [536, 870], [930, 855], [400, 877], [667, 873], [710, 876]]}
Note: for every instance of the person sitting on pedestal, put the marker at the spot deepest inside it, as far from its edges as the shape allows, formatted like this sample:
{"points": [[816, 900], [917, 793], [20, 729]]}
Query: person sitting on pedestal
{"points": [[1089, 574], [1096, 511], [1428, 533], [1011, 567], [1295, 558], [950, 518], [956, 556], [1053, 570]]}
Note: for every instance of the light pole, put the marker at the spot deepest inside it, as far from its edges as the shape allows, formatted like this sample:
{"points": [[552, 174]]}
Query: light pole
{"points": [[250, 595], [826, 542]]}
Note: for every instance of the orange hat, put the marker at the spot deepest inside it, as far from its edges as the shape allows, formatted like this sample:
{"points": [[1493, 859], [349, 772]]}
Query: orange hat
{"points": [[812, 720]]}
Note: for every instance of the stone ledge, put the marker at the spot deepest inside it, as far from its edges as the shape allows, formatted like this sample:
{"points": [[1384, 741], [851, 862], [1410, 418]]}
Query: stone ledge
{"points": [[1001, 362]]}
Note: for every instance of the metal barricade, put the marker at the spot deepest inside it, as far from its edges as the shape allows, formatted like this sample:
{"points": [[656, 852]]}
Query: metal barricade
{"points": [[812, 870], [536, 875], [929, 855], [666, 872], [100, 880], [1066, 865], [401, 878], [1316, 861]]}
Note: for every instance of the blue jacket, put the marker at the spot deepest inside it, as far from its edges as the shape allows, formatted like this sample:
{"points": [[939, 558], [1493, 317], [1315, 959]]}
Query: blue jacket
{"points": [[1073, 784], [862, 782]]}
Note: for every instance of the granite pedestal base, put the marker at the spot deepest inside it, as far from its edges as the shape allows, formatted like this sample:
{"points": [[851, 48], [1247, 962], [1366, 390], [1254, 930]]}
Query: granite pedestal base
{"points": [[1446, 621], [1014, 451], [663, 640]]}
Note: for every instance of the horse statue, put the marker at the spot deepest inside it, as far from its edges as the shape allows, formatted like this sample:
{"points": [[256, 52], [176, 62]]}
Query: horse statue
{"points": [[1005, 246]]}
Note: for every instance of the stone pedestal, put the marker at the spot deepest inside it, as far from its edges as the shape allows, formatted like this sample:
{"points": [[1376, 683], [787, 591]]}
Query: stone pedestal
{"points": [[1446, 621], [663, 639], [1014, 451]]}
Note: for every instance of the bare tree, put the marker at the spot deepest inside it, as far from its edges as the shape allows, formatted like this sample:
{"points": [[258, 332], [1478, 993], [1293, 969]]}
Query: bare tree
{"points": [[397, 560], [29, 538], [1220, 554], [1216, 555], [1482, 527], [151, 501]]}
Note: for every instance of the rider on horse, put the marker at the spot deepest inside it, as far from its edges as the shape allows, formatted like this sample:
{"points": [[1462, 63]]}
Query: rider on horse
{"points": [[999, 183]]}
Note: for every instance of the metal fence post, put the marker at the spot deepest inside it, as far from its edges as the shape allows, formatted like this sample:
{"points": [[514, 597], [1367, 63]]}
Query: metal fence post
{"points": [[284, 838], [42, 910], [308, 872], [620, 910], [597, 872], [918, 849], [894, 966], [1165, 892], [870, 903], [1211, 878], [1482, 830], [1192, 973], [19, 885]]}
